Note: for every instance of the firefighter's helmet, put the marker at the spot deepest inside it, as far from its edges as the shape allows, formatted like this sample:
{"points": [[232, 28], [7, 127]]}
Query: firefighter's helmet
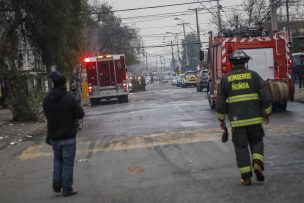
{"points": [[239, 57]]}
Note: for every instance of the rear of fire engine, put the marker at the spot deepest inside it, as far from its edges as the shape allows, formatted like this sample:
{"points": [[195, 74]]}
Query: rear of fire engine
{"points": [[106, 75], [270, 58]]}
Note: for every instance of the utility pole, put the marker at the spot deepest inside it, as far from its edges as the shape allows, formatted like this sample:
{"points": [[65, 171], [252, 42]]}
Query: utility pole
{"points": [[198, 37], [219, 7], [173, 59], [161, 65], [156, 62], [178, 54], [186, 49], [274, 17], [146, 61], [288, 22], [236, 21]]}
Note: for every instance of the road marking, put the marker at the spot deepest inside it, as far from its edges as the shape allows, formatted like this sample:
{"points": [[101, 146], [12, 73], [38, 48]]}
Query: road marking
{"points": [[154, 139], [134, 142], [191, 124]]}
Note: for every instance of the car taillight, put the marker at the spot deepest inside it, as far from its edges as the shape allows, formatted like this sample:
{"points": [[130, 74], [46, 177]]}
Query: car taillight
{"points": [[90, 89], [289, 62], [224, 69], [125, 88]]}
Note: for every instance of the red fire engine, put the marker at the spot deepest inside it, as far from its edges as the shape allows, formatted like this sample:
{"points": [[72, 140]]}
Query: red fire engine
{"points": [[270, 58], [106, 75]]}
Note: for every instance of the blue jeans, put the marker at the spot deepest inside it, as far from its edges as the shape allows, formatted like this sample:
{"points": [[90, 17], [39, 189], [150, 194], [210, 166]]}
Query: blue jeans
{"points": [[64, 156]]}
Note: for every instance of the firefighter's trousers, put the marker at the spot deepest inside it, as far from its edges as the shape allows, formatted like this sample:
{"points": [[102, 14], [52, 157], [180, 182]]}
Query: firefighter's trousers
{"points": [[242, 137]]}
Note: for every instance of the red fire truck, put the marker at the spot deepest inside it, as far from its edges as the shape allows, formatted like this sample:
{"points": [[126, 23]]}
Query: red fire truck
{"points": [[106, 75], [270, 58]]}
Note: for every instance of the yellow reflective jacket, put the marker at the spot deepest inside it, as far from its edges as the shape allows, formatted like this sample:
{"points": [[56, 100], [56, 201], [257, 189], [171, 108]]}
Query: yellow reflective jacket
{"points": [[244, 96]]}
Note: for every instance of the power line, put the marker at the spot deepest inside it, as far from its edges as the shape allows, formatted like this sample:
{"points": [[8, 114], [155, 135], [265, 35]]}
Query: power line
{"points": [[155, 15], [150, 7], [160, 46]]}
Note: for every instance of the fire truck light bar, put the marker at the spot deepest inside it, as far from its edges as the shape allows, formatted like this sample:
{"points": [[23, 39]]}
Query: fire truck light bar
{"points": [[87, 60], [104, 56]]}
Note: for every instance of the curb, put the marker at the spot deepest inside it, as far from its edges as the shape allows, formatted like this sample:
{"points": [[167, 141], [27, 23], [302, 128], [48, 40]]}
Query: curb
{"points": [[35, 132], [4, 122]]}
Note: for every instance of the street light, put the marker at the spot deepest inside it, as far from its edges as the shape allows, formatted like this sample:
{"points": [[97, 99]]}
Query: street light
{"points": [[176, 18]]}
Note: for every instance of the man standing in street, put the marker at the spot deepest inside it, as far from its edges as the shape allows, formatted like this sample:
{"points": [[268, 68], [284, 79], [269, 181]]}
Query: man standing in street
{"points": [[244, 96], [62, 111]]}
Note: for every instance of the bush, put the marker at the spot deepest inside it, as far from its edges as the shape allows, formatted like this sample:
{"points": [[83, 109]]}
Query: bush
{"points": [[23, 101]]}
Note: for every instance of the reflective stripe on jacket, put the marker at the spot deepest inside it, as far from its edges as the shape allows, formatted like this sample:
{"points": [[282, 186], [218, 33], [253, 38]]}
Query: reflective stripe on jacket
{"points": [[244, 95]]}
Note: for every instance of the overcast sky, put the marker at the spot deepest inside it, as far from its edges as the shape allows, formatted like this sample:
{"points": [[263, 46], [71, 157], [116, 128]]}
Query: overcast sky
{"points": [[153, 29]]}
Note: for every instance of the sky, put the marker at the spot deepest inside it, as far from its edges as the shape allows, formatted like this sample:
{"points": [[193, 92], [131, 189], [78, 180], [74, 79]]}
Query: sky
{"points": [[155, 30]]}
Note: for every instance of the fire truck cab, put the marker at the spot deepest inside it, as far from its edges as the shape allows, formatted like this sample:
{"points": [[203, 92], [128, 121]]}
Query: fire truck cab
{"points": [[106, 76], [270, 58]]}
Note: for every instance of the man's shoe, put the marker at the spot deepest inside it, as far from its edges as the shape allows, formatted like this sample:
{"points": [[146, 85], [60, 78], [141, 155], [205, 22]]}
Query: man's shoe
{"points": [[258, 172], [57, 187], [245, 181], [67, 194]]}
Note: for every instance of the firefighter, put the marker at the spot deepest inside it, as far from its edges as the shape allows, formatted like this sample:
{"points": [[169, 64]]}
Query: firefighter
{"points": [[143, 83], [244, 96]]}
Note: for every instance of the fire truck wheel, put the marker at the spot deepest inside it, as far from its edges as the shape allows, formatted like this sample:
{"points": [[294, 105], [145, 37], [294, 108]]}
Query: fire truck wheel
{"points": [[123, 99], [283, 107], [94, 102], [279, 107], [199, 89]]}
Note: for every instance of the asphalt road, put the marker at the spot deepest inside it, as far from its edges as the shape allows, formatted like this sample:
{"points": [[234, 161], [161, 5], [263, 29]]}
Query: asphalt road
{"points": [[164, 147]]}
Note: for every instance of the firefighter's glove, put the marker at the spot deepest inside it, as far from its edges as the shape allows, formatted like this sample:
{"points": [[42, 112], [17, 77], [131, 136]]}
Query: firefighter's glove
{"points": [[48, 140], [225, 135], [266, 119], [222, 125]]}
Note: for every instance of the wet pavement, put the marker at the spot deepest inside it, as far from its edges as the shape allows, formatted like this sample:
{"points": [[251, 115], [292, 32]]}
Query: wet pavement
{"points": [[162, 146]]}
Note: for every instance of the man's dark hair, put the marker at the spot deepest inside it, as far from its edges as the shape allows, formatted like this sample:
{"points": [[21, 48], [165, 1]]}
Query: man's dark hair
{"points": [[58, 79]]}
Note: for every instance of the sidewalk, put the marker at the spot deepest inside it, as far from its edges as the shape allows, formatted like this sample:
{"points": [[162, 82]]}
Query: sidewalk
{"points": [[5, 116], [299, 94], [13, 133]]}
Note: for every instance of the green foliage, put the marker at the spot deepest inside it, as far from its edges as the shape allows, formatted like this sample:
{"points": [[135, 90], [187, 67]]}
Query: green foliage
{"points": [[193, 51], [298, 43], [55, 27], [23, 101]]}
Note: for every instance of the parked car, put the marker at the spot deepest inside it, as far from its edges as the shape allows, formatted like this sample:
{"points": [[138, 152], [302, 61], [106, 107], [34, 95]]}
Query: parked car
{"points": [[174, 80], [179, 80], [202, 80], [189, 79]]}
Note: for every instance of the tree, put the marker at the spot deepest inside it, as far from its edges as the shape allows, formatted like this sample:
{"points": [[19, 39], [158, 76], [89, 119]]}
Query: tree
{"points": [[52, 29], [193, 49], [55, 29], [106, 34]]}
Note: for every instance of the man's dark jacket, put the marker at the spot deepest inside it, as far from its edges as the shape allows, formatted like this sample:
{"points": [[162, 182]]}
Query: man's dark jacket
{"points": [[61, 110]]}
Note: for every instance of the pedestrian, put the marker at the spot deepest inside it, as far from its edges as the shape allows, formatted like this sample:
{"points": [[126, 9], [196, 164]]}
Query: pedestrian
{"points": [[244, 96], [75, 93], [143, 83], [62, 110], [152, 80]]}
